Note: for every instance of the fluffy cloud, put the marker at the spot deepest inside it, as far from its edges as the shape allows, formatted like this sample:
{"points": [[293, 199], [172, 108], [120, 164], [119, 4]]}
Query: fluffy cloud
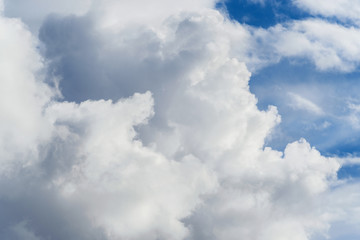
{"points": [[271, 193], [22, 96], [107, 12], [63, 161], [312, 39], [123, 185], [175, 151]]}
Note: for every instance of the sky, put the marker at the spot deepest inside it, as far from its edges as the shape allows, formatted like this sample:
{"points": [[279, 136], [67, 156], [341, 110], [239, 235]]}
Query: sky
{"points": [[330, 92], [179, 120]]}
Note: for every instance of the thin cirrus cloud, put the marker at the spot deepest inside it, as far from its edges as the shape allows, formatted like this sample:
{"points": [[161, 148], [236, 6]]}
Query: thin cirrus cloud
{"points": [[344, 10], [156, 135], [299, 102]]}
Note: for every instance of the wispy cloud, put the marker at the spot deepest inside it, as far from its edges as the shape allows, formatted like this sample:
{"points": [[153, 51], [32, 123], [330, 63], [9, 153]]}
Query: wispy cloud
{"points": [[301, 103], [345, 10]]}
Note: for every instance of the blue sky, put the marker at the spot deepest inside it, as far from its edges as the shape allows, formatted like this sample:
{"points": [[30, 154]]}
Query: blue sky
{"points": [[262, 13], [333, 90]]}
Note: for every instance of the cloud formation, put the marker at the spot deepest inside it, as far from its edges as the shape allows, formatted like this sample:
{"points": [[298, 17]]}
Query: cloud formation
{"points": [[313, 39], [299, 102], [344, 10], [157, 135]]}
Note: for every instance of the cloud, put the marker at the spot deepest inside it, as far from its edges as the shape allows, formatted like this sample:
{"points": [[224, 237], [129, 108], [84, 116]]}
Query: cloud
{"points": [[120, 183], [352, 116], [20, 231], [106, 11], [313, 39], [22, 97], [33, 19], [344, 10], [157, 136], [58, 156], [261, 2], [267, 197], [299, 102]]}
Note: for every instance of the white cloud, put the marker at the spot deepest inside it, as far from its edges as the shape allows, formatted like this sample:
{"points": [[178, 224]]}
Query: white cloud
{"points": [[313, 39], [106, 11], [271, 192], [186, 161], [349, 160], [344, 210], [299, 102], [121, 184], [353, 115], [88, 155], [342, 9]]}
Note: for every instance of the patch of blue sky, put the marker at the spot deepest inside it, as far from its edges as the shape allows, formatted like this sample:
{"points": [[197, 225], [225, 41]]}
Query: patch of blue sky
{"points": [[328, 124], [349, 171], [267, 13], [320, 106], [264, 13], [332, 129]]}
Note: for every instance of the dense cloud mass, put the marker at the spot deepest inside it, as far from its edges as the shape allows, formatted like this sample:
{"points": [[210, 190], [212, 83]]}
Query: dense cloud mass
{"points": [[120, 126]]}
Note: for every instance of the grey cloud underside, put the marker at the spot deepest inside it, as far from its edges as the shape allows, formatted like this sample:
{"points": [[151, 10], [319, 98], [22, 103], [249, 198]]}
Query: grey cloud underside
{"points": [[137, 61], [175, 151], [134, 63]]}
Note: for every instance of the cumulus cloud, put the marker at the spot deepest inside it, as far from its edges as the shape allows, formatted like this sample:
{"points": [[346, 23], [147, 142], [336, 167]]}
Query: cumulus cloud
{"points": [[123, 185], [313, 38], [22, 96], [267, 197], [157, 135], [66, 161]]}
